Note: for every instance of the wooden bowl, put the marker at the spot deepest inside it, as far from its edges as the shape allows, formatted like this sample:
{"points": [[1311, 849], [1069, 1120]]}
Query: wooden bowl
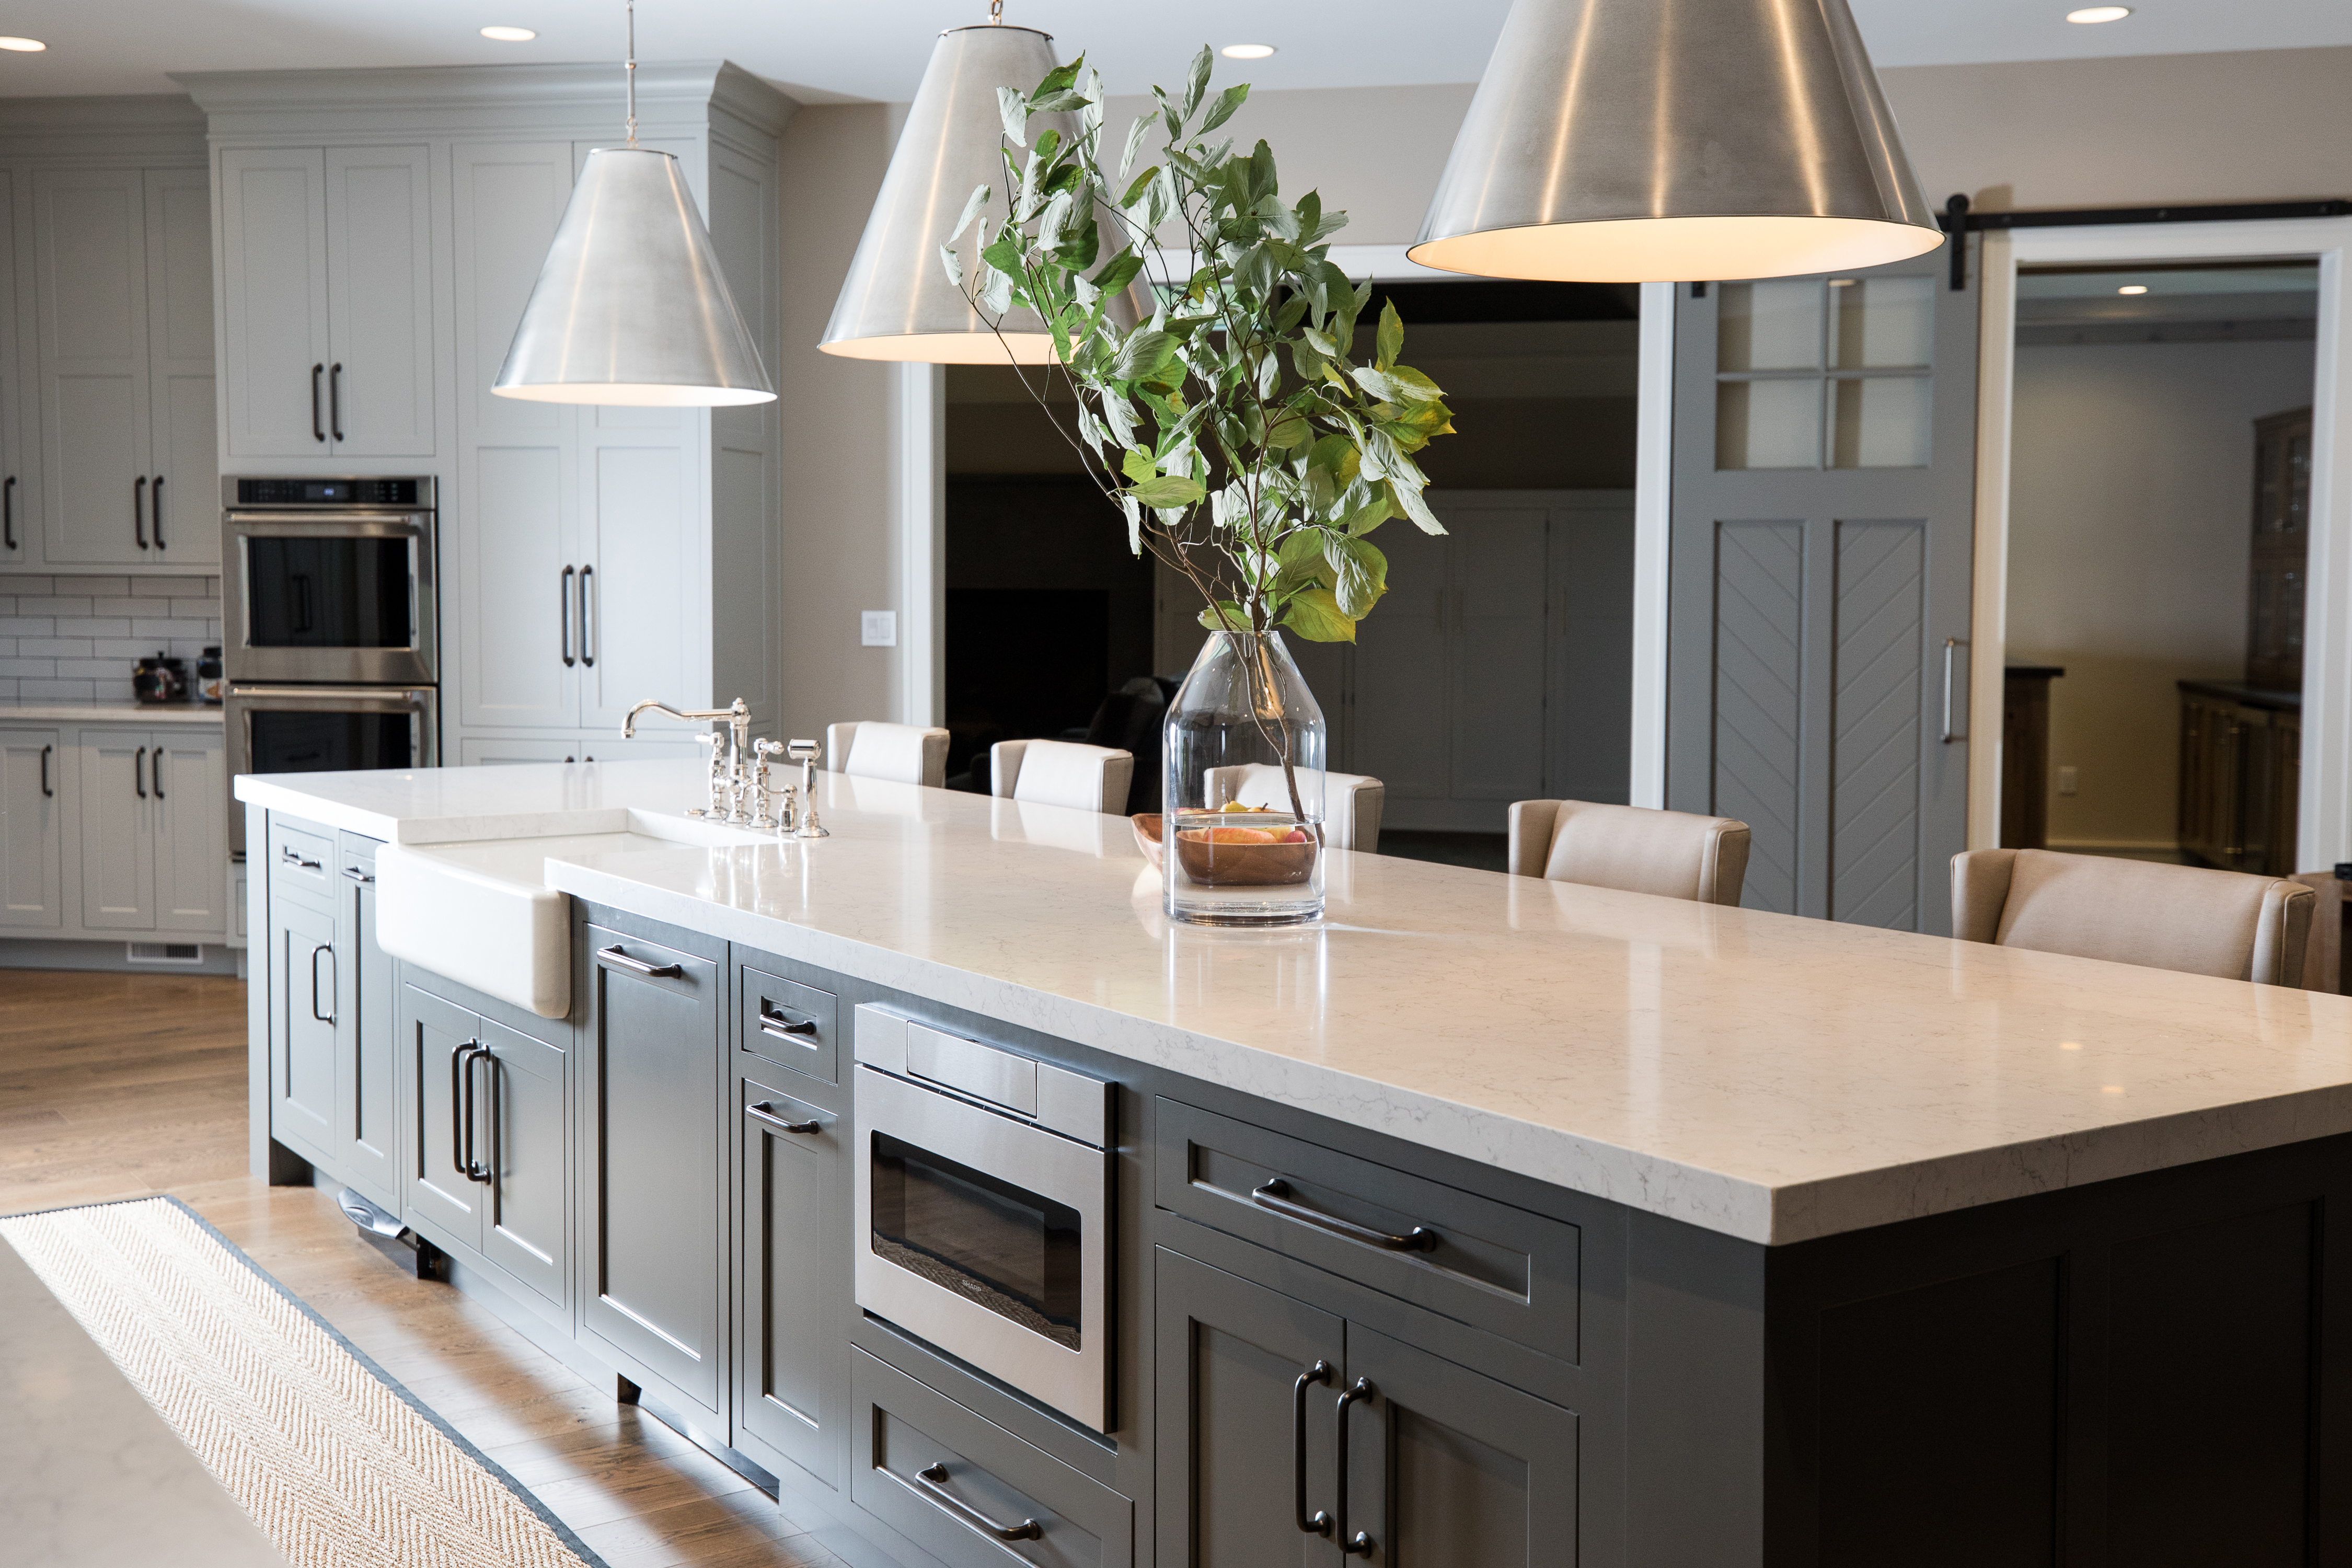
{"points": [[1214, 865], [1147, 834]]}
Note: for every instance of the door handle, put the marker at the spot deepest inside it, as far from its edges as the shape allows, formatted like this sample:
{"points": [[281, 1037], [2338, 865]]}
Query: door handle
{"points": [[1950, 734], [1275, 1195], [587, 642], [155, 771], [617, 959], [563, 612], [774, 1024], [138, 510], [318, 433], [46, 790], [356, 875], [766, 1112], [8, 512], [461, 1098], [138, 773], [288, 855], [329, 949], [486, 1172], [335, 399], [929, 1476], [1319, 1523], [1361, 1543], [155, 511]]}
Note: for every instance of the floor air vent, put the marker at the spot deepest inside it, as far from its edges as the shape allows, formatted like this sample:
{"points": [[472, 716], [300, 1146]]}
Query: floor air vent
{"points": [[164, 952]]}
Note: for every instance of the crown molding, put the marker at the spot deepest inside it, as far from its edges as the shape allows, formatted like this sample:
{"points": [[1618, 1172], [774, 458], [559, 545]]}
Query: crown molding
{"points": [[441, 99]]}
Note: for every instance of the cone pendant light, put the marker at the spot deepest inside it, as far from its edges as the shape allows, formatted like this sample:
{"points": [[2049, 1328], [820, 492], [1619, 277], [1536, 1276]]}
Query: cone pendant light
{"points": [[896, 302], [1627, 140], [630, 307]]}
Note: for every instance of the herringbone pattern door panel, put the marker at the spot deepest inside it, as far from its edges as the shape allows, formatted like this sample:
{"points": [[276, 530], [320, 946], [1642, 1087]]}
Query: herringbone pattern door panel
{"points": [[1874, 809], [1758, 698]]}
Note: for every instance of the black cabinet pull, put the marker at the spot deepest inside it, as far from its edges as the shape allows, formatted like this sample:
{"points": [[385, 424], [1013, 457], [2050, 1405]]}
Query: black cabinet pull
{"points": [[773, 1022], [155, 771], [139, 773], [486, 1172], [329, 949], [1319, 1523], [564, 611], [587, 642], [155, 511], [138, 510], [8, 512], [617, 959], [318, 432], [929, 1479], [766, 1112], [460, 1133], [1361, 1543], [46, 790], [335, 399], [1275, 1195]]}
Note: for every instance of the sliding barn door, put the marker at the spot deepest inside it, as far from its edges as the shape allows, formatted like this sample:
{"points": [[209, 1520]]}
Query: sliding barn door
{"points": [[1817, 668]]}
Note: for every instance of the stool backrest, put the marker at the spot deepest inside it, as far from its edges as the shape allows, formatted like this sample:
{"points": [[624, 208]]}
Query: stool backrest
{"points": [[2185, 918], [1061, 773], [1351, 801], [1672, 854], [903, 754]]}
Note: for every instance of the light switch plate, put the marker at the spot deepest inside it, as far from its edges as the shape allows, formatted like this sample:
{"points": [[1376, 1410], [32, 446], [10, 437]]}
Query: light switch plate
{"points": [[2066, 780], [877, 628]]}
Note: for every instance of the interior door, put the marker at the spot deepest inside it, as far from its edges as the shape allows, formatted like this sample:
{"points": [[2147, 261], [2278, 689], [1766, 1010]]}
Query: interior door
{"points": [[1497, 580], [379, 233], [526, 1228], [118, 831], [90, 281], [32, 830], [190, 790], [183, 505], [273, 246], [1397, 730], [1824, 481]]}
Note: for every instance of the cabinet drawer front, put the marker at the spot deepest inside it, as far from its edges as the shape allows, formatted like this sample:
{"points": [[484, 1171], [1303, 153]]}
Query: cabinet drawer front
{"points": [[1500, 1268], [979, 1475], [790, 1024], [300, 861]]}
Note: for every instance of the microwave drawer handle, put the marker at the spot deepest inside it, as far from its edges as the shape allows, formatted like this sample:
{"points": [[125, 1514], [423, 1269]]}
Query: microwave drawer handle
{"points": [[1275, 1195], [615, 958], [930, 1478], [763, 1112]]}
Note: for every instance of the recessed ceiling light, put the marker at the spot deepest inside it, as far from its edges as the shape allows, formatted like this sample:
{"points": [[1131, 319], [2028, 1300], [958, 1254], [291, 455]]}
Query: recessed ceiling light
{"points": [[1247, 51], [2133, 289], [510, 35], [2099, 14], [23, 45]]}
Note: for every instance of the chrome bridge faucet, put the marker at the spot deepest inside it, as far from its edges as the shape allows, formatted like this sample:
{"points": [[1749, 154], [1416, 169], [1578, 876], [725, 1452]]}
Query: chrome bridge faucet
{"points": [[731, 783]]}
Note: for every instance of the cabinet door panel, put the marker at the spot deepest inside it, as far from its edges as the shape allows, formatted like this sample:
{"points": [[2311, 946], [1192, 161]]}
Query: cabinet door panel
{"points": [[1229, 1353], [117, 833], [91, 282], [437, 1196], [32, 830], [183, 513], [1451, 1469], [303, 966], [517, 613], [182, 516], [643, 621], [22, 504], [380, 299], [190, 786], [1401, 682], [1498, 740], [526, 1228], [791, 1393], [367, 1050], [657, 1139], [273, 243]]}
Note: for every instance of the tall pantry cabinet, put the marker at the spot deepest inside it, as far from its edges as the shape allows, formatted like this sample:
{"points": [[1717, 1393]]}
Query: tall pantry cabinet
{"points": [[377, 234]]}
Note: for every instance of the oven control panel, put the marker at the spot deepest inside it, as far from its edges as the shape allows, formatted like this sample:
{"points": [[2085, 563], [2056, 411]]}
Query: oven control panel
{"points": [[1054, 1097], [335, 492]]}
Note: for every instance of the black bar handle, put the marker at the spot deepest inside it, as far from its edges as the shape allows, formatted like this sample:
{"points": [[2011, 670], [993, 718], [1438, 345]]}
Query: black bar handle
{"points": [[564, 611], [486, 1172], [617, 959], [8, 512], [929, 1476], [318, 432], [46, 790], [460, 1133], [155, 511], [155, 771], [1956, 234], [329, 949], [1275, 1195], [775, 1022], [1361, 1543], [766, 1112], [1319, 1523], [587, 642], [139, 773], [335, 399], [138, 510]]}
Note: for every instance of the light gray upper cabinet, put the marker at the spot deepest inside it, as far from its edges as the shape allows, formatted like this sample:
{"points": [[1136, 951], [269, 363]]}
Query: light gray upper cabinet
{"points": [[152, 827], [19, 509], [123, 287], [32, 831], [329, 326]]}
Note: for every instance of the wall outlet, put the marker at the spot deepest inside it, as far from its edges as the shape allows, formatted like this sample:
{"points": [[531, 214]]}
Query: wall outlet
{"points": [[877, 628], [2065, 780]]}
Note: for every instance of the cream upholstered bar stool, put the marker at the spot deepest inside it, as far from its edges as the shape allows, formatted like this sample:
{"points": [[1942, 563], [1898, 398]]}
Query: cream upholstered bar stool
{"points": [[1351, 801], [1061, 773], [1672, 854], [903, 754], [2185, 918]]}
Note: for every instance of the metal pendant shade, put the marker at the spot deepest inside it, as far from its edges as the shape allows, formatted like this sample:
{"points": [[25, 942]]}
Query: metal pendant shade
{"points": [[896, 302], [630, 307], [1629, 140]]}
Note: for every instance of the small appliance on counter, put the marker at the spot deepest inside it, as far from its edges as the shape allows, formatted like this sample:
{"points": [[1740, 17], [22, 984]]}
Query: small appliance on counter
{"points": [[330, 649], [158, 680]]}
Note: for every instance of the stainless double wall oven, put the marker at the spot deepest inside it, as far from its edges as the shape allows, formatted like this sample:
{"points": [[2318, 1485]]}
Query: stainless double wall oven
{"points": [[331, 625]]}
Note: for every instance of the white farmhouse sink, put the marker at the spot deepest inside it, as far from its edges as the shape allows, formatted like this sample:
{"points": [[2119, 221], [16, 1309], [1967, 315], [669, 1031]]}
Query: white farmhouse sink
{"points": [[481, 913]]}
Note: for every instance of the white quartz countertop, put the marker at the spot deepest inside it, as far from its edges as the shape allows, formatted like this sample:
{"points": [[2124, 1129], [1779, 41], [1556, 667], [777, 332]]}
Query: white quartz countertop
{"points": [[108, 713], [1767, 1076]]}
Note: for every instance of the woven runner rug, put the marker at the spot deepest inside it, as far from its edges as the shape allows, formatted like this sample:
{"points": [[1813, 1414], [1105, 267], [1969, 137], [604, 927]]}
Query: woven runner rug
{"points": [[339, 1465]]}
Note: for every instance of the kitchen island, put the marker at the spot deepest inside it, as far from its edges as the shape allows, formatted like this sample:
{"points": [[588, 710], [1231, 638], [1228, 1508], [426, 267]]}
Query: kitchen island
{"points": [[1567, 1224]]}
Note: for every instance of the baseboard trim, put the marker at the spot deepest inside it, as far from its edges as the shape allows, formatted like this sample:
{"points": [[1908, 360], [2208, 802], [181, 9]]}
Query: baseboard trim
{"points": [[108, 956]]}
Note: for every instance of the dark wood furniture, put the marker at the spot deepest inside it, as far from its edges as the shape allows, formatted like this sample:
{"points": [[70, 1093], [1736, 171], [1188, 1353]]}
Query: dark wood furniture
{"points": [[2323, 954], [2025, 755], [2277, 575], [2240, 775]]}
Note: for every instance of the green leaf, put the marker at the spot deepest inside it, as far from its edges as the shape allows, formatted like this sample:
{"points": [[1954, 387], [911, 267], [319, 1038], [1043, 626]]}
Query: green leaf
{"points": [[1014, 109], [1315, 615], [1169, 490], [1003, 252], [1060, 79], [1199, 81], [1135, 191], [1391, 337], [1135, 134], [1119, 272], [1145, 351], [1289, 431], [1056, 102], [1137, 466], [1360, 574], [1234, 620], [1368, 516], [1391, 387], [1223, 109]]}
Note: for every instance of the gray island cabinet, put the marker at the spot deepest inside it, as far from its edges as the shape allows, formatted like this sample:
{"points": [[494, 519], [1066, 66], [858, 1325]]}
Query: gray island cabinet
{"points": [[1449, 1234]]}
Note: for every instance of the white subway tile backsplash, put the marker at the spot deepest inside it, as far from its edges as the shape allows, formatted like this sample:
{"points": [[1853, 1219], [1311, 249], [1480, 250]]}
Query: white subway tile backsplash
{"points": [[121, 647], [16, 668], [89, 668], [185, 609], [112, 691], [22, 584], [176, 587], [30, 690], [122, 606], [27, 626], [53, 605], [191, 628], [116, 585], [93, 626], [54, 647]]}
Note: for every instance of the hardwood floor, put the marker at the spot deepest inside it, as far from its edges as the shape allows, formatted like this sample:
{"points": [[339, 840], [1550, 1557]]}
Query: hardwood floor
{"points": [[126, 1086]]}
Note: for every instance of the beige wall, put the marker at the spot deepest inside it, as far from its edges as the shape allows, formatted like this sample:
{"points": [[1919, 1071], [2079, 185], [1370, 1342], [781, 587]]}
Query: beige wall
{"points": [[2131, 480]]}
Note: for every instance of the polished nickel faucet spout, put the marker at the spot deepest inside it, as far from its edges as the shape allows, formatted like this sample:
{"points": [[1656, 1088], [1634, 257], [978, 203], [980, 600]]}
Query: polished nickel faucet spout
{"points": [[729, 781]]}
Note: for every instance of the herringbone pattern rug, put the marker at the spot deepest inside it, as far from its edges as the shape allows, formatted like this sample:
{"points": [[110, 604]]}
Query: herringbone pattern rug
{"points": [[333, 1461]]}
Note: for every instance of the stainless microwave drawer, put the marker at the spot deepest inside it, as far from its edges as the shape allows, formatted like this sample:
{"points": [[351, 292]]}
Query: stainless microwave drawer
{"points": [[1504, 1269]]}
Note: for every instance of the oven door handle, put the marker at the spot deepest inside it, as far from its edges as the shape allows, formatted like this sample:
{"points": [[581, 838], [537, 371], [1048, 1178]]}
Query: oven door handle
{"points": [[929, 1479]]}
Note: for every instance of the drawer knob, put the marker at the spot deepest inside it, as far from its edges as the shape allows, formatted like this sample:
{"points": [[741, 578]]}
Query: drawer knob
{"points": [[1275, 1195], [930, 1477]]}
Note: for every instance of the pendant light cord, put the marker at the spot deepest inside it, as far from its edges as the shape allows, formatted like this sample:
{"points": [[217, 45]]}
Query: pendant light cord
{"points": [[633, 70]]}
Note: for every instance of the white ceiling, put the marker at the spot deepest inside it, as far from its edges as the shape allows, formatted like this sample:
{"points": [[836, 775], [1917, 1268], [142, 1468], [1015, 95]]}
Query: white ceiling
{"points": [[876, 49]]}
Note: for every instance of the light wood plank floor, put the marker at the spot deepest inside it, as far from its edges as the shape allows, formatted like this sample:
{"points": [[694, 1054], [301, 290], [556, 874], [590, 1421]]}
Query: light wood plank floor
{"points": [[125, 1086]]}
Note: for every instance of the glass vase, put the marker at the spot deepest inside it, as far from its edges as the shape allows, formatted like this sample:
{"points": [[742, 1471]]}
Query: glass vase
{"points": [[1242, 813]]}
